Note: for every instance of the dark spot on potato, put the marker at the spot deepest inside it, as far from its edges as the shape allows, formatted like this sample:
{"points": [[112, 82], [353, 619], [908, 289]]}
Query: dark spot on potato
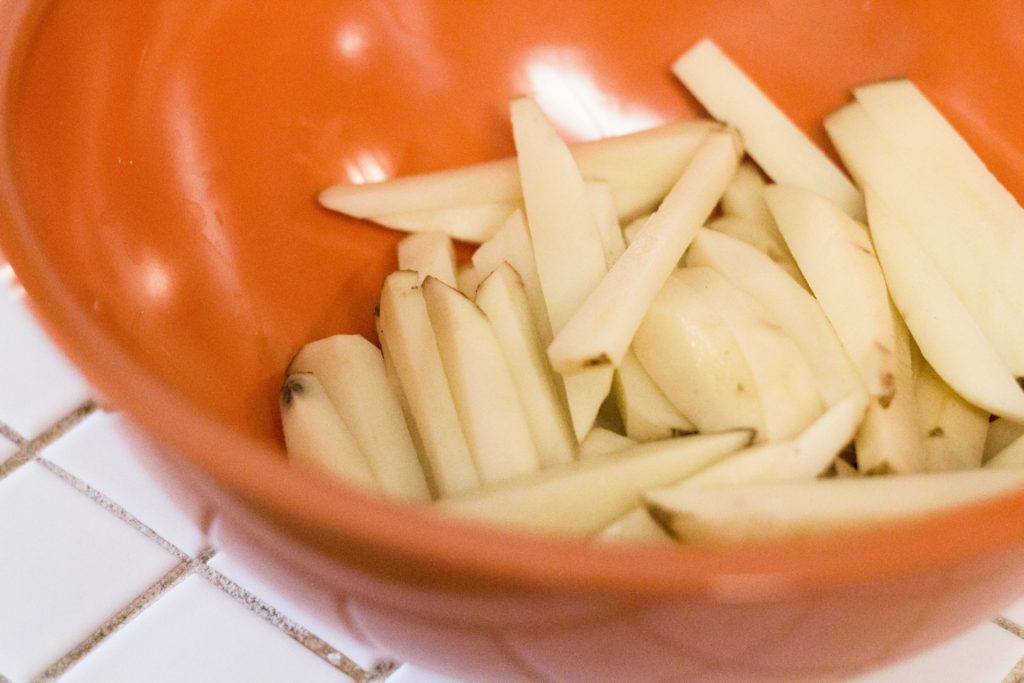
{"points": [[740, 388], [936, 431], [603, 359], [292, 387], [376, 311], [675, 431]]}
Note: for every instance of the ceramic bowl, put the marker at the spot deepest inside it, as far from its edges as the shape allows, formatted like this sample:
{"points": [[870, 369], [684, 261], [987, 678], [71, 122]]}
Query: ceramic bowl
{"points": [[160, 162]]}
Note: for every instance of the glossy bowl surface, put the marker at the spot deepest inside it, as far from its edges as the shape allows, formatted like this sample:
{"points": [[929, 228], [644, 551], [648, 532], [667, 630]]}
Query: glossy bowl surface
{"points": [[157, 200]]}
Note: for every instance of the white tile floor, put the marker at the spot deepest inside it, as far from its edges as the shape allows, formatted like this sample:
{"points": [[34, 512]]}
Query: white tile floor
{"points": [[104, 576]]}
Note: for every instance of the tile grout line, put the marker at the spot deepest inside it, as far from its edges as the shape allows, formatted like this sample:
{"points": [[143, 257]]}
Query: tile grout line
{"points": [[11, 435], [1009, 626], [1016, 674], [298, 633], [31, 448], [112, 507], [122, 617]]}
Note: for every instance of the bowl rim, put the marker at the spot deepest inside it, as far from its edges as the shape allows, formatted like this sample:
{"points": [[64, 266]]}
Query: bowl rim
{"points": [[455, 550]]}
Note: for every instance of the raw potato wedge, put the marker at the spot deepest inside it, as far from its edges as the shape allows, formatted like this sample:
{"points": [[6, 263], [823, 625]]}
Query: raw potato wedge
{"points": [[1011, 456], [351, 371], [953, 431], [601, 441], [502, 298], [1001, 433], [915, 126], [566, 242], [769, 511], [694, 358], [976, 256], [890, 439], [744, 196], [790, 305], [834, 253], [783, 380], [647, 414], [600, 332], [785, 153], [316, 437], [484, 392], [470, 203], [407, 333], [949, 338], [430, 254], [562, 499]]}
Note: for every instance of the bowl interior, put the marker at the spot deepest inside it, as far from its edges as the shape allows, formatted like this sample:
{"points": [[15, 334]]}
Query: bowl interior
{"points": [[161, 167]]}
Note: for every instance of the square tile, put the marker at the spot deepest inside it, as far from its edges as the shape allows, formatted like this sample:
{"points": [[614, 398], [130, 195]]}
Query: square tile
{"points": [[984, 654], [107, 453], [68, 566], [39, 384], [304, 606], [198, 633]]}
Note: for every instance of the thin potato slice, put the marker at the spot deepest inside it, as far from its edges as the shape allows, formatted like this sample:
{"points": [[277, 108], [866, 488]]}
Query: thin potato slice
{"points": [[470, 203], [600, 331], [953, 431], [484, 391], [316, 437], [834, 253], [785, 153], [646, 413], [430, 254], [412, 346], [563, 499], [949, 338], [351, 371], [773, 511]]}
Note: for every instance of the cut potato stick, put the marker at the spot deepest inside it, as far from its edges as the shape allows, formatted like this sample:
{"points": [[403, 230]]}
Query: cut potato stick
{"points": [[890, 439], [406, 329], [834, 253], [805, 457], [646, 414], [694, 358], [511, 244], [910, 120], [785, 153], [783, 381], [952, 430], [949, 338], [766, 240], [1001, 433], [351, 371], [566, 242], [1011, 456], [430, 254], [635, 526], [790, 305], [976, 256], [601, 330], [602, 204], [640, 168], [502, 298], [316, 437], [482, 386], [601, 441], [770, 511], [563, 499], [403, 402]]}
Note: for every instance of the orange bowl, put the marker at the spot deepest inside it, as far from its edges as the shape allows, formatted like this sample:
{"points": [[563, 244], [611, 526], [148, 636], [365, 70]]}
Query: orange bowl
{"points": [[160, 162]]}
